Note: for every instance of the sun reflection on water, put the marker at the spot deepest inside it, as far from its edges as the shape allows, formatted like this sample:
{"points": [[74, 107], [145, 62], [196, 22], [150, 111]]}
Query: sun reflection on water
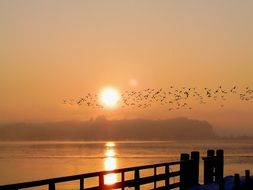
{"points": [[110, 144], [110, 163]]}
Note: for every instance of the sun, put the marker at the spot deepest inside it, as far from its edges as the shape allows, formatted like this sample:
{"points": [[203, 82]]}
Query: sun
{"points": [[109, 97]]}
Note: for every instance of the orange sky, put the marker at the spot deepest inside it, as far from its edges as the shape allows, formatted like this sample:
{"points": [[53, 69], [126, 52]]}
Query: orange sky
{"points": [[52, 50]]}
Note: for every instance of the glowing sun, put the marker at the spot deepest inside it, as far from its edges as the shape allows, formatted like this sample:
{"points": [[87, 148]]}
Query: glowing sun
{"points": [[109, 97]]}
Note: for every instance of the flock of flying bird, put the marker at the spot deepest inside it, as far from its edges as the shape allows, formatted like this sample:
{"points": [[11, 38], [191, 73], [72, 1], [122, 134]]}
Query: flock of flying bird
{"points": [[173, 98]]}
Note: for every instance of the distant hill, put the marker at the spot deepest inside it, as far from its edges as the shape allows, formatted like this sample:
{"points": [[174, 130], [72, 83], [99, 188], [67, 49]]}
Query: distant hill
{"points": [[102, 129]]}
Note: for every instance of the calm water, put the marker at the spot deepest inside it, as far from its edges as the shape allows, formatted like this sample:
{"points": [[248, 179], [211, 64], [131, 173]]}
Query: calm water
{"points": [[25, 161]]}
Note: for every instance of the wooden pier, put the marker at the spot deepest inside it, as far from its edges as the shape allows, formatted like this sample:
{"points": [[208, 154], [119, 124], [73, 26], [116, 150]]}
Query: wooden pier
{"points": [[188, 174]]}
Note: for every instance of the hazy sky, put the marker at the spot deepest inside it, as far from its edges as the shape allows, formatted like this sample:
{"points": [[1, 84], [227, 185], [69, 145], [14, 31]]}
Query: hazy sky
{"points": [[50, 50]]}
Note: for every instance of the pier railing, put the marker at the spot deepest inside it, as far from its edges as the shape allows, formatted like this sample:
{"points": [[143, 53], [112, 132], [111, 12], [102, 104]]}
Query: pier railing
{"points": [[187, 173]]}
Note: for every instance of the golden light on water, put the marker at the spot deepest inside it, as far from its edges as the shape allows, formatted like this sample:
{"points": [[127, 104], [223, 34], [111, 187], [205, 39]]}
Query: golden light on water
{"points": [[110, 153], [110, 163], [109, 97], [110, 144]]}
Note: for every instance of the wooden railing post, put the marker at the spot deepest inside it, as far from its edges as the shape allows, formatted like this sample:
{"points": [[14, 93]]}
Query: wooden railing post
{"points": [[195, 168], [155, 173], [219, 165], [81, 184], [101, 181], [184, 171], [136, 178], [51, 186], [123, 180], [167, 172]]}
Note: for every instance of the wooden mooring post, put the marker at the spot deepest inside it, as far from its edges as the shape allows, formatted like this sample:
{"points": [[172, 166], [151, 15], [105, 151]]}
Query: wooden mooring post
{"points": [[219, 165], [247, 185], [195, 168], [237, 182], [184, 171], [189, 170], [247, 180], [214, 167], [208, 169]]}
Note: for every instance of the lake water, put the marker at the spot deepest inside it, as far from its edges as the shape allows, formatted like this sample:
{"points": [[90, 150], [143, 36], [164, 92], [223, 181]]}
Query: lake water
{"points": [[26, 161]]}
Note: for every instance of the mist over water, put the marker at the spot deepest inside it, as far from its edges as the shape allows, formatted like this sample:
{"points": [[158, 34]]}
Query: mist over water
{"points": [[25, 161]]}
